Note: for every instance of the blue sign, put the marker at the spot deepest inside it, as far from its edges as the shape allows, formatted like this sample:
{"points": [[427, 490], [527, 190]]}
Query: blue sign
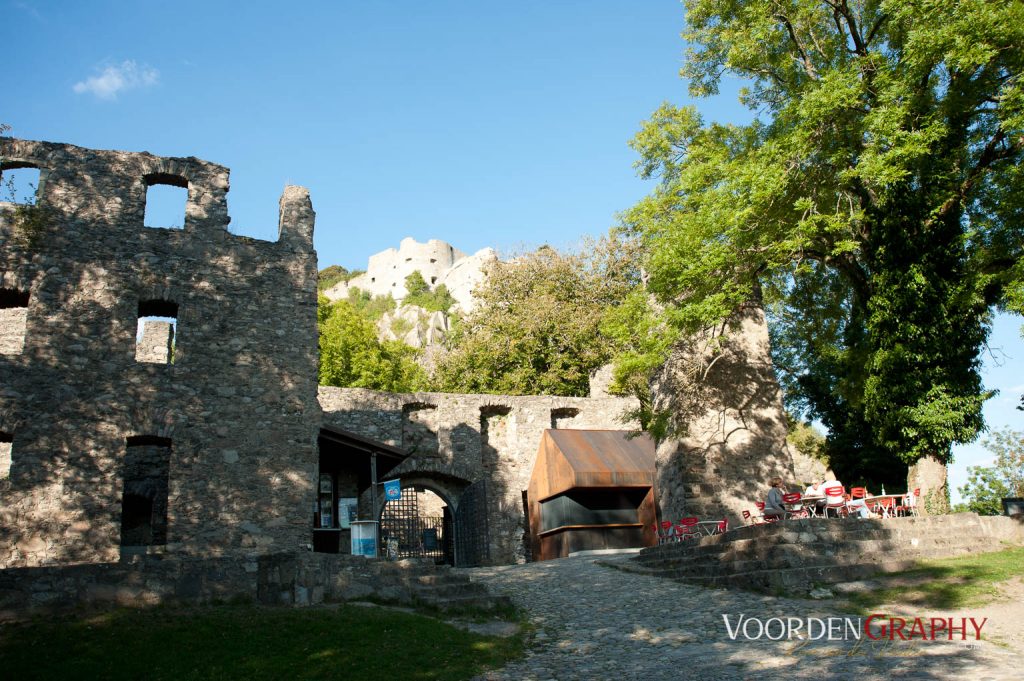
{"points": [[392, 490]]}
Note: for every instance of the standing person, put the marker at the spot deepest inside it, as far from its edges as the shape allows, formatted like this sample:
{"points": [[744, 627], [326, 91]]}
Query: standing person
{"points": [[773, 504]]}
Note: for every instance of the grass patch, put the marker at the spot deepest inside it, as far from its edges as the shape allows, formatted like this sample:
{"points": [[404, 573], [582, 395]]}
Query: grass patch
{"points": [[947, 583], [248, 642]]}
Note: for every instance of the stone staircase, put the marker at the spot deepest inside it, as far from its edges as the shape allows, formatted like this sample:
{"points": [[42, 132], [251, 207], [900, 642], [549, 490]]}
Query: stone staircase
{"points": [[312, 578], [797, 555], [449, 591]]}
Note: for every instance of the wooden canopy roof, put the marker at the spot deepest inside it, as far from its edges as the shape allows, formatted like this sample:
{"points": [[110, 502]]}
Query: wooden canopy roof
{"points": [[569, 459]]}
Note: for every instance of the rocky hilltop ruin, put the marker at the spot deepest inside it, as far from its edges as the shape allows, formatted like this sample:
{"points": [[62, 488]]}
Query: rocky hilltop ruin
{"points": [[440, 264]]}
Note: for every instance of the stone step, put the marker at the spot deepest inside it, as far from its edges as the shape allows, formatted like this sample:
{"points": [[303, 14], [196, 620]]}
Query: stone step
{"points": [[782, 551], [824, 569], [797, 554], [805, 551], [454, 590], [468, 602], [439, 578], [820, 525], [846, 538]]}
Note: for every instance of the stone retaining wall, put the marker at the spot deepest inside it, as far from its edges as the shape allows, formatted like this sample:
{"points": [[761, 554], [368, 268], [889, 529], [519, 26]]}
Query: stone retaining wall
{"points": [[797, 555], [297, 579]]}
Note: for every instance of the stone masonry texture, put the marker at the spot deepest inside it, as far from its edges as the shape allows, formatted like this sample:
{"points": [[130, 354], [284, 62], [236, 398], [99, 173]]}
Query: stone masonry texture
{"points": [[730, 439], [237, 405], [210, 425], [456, 440]]}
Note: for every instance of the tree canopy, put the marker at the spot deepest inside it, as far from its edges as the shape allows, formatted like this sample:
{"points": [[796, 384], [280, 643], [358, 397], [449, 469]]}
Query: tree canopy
{"points": [[418, 293], [536, 329], [351, 356], [333, 274], [875, 203]]}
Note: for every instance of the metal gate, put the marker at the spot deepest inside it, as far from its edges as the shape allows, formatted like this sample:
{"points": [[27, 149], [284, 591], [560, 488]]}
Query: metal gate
{"points": [[472, 536], [413, 535]]}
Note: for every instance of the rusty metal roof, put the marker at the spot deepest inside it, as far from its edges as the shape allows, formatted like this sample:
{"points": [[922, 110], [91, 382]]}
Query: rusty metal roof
{"points": [[605, 458]]}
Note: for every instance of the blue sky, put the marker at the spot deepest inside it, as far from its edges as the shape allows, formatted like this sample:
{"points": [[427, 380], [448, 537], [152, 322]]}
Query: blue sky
{"points": [[481, 123]]}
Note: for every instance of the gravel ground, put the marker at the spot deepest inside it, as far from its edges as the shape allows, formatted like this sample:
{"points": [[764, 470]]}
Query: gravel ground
{"points": [[596, 622]]}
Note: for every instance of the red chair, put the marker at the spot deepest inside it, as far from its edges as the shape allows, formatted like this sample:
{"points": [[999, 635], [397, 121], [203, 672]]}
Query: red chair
{"points": [[723, 525], [911, 502], [765, 518], [747, 518], [885, 507], [688, 529], [858, 492], [793, 498], [838, 506]]}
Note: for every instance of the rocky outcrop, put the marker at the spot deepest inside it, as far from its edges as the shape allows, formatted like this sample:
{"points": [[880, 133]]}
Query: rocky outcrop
{"points": [[414, 326]]}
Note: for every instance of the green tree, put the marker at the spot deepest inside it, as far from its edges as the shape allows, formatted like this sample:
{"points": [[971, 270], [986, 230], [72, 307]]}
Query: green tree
{"points": [[369, 306], [418, 293], [536, 329], [351, 356], [807, 440], [333, 274], [875, 205], [987, 486]]}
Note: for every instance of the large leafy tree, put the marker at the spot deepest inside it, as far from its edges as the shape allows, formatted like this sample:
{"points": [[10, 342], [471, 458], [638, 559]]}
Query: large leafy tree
{"points": [[536, 328], [351, 356], [876, 201]]}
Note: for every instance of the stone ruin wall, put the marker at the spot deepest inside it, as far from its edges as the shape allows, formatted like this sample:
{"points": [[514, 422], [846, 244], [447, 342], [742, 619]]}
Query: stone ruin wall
{"points": [[460, 439], [439, 262], [722, 387], [232, 396], [236, 410]]}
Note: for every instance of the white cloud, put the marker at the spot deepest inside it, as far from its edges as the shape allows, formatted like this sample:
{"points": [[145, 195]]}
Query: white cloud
{"points": [[113, 79]]}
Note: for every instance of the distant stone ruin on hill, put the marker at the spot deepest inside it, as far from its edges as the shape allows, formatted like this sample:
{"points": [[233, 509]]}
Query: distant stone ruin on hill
{"points": [[440, 264]]}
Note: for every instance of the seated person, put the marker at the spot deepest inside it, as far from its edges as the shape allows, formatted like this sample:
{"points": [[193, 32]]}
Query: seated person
{"points": [[816, 491], [859, 506], [831, 500], [773, 504]]}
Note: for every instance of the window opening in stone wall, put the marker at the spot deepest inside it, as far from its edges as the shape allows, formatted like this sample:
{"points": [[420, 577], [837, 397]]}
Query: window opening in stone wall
{"points": [[493, 434], [6, 454], [563, 418], [166, 198], [419, 429], [145, 473], [156, 332], [19, 183], [13, 320]]}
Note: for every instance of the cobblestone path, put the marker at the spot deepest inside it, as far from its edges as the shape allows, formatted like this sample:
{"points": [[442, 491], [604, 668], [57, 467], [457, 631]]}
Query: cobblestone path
{"points": [[596, 622]]}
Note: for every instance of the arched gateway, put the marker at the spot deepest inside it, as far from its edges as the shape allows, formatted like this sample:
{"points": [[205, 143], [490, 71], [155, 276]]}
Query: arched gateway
{"points": [[440, 515]]}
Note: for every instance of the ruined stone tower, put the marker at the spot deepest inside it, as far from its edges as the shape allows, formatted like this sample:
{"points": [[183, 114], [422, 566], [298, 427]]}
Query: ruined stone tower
{"points": [[197, 440]]}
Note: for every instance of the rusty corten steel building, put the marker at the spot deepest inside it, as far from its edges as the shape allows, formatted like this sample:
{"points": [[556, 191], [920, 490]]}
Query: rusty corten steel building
{"points": [[591, 489]]}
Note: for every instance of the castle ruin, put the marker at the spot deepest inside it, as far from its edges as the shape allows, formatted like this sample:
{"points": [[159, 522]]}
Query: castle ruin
{"points": [[158, 389]]}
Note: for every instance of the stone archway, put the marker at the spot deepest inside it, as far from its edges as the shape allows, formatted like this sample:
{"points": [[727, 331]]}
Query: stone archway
{"points": [[421, 524]]}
